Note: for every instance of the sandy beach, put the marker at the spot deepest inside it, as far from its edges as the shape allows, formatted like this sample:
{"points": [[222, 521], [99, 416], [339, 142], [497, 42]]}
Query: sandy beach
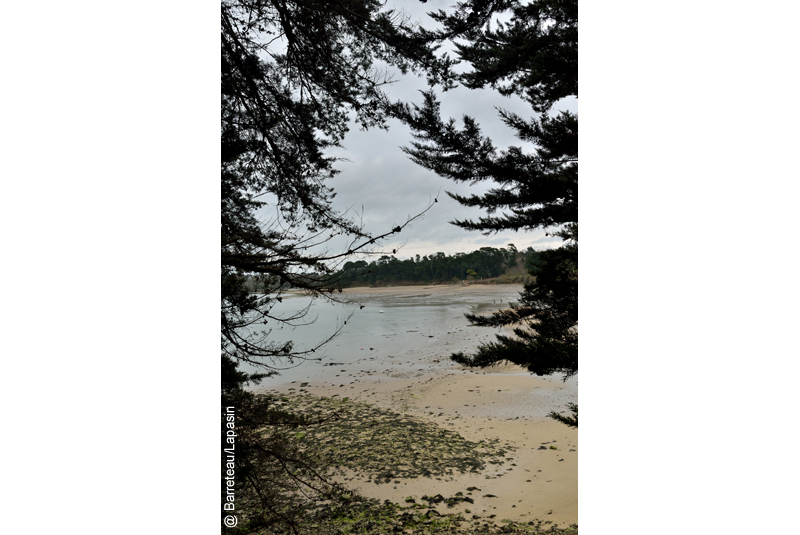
{"points": [[538, 478]]}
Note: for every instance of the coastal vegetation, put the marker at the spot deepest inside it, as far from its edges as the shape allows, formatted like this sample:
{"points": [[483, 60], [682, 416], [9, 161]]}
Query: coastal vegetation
{"points": [[293, 75], [384, 446], [359, 442], [487, 264], [535, 57]]}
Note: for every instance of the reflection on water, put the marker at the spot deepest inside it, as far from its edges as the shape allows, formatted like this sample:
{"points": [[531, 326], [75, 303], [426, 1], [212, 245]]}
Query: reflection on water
{"points": [[415, 328]]}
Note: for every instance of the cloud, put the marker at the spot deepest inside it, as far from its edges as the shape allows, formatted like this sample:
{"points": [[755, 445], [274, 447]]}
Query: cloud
{"points": [[381, 178], [391, 188]]}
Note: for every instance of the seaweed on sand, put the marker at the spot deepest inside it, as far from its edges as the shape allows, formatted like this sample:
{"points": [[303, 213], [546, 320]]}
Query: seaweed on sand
{"points": [[384, 445]]}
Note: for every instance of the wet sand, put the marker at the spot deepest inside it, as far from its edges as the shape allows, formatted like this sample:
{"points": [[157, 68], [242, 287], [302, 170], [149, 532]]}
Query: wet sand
{"points": [[433, 289], [539, 479]]}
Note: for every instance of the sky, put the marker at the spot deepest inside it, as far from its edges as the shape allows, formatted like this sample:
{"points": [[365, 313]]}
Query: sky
{"points": [[392, 188]]}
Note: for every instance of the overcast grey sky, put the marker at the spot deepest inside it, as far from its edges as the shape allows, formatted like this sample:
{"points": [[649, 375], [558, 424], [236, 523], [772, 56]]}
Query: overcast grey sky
{"points": [[391, 187]]}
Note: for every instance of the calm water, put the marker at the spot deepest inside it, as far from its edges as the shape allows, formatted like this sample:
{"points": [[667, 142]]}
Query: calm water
{"points": [[415, 329]]}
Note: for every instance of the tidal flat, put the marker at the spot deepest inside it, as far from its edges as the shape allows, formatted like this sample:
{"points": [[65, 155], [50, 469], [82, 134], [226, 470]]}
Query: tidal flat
{"points": [[412, 425], [383, 330]]}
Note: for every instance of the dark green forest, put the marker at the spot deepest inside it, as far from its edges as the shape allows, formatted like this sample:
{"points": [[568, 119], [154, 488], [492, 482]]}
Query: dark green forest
{"points": [[485, 263], [504, 265]]}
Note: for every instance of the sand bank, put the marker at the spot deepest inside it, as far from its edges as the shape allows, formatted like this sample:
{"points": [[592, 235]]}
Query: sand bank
{"points": [[434, 289], [539, 478]]}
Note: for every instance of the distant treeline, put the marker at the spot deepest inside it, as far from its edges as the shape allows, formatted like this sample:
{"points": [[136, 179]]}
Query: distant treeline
{"points": [[507, 264], [504, 265]]}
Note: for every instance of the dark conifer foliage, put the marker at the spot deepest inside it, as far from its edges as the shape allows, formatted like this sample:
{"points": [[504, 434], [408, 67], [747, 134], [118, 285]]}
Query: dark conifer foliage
{"points": [[293, 73], [571, 421], [276, 478], [535, 190], [546, 317], [496, 265], [535, 57]]}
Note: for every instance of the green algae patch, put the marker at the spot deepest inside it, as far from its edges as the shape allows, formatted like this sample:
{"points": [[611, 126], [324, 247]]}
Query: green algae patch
{"points": [[383, 445], [370, 516]]}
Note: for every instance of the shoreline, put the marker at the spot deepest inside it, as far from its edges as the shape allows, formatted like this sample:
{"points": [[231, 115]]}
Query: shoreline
{"points": [[502, 403], [432, 288], [535, 482]]}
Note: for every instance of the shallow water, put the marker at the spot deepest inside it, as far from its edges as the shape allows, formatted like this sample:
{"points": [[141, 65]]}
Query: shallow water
{"points": [[416, 329]]}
